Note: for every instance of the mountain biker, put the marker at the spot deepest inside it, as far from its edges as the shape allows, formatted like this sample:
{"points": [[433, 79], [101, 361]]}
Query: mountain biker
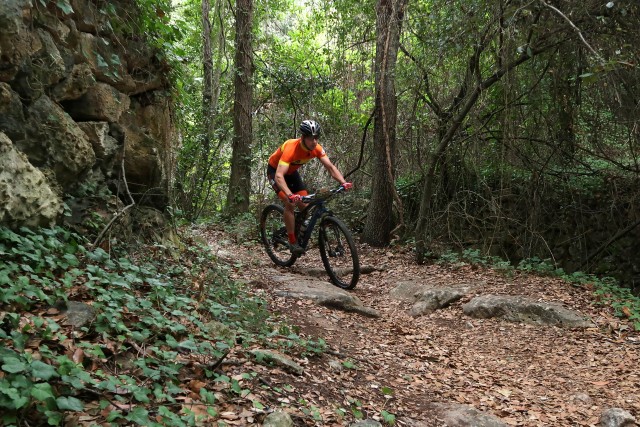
{"points": [[285, 179]]}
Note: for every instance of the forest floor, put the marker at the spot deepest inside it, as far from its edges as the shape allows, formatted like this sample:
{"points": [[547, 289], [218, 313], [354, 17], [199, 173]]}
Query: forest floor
{"points": [[398, 365]]}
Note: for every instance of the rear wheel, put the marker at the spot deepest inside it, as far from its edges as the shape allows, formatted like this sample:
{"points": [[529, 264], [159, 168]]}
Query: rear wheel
{"points": [[274, 236], [338, 252]]}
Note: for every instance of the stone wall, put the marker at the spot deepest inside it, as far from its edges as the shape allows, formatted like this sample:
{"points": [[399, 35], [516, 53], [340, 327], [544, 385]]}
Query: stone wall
{"points": [[77, 101]]}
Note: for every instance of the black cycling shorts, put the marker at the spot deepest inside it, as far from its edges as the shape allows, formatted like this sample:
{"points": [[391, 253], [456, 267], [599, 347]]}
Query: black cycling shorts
{"points": [[294, 181]]}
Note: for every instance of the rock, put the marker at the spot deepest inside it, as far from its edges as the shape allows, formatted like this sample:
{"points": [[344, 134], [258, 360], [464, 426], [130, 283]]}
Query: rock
{"points": [[75, 84], [12, 121], [406, 290], [278, 359], [456, 415], [582, 397], [617, 417], [335, 365], [278, 419], [52, 62], [321, 272], [59, 30], [97, 133], [347, 303], [26, 199], [11, 15], [62, 64], [427, 297], [323, 293], [43, 67], [87, 17], [58, 142], [79, 314], [144, 159], [523, 310], [17, 43], [366, 423], [150, 223], [430, 300], [220, 331], [101, 103]]}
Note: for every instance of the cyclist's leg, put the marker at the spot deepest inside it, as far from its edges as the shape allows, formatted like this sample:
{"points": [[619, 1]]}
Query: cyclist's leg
{"points": [[297, 186]]}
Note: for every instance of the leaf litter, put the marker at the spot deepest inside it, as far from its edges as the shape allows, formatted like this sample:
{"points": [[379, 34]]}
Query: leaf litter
{"points": [[398, 364]]}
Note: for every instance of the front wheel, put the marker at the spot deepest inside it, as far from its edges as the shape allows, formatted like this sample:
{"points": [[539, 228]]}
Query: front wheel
{"points": [[274, 236], [338, 252]]}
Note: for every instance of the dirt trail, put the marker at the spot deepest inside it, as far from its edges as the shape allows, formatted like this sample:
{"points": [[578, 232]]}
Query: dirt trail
{"points": [[524, 375]]}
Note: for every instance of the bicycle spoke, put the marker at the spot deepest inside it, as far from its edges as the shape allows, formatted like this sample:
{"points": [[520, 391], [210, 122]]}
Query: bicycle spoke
{"points": [[274, 236], [338, 253]]}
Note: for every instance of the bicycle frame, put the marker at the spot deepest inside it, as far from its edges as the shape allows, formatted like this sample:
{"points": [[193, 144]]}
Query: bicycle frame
{"points": [[338, 250], [319, 211]]}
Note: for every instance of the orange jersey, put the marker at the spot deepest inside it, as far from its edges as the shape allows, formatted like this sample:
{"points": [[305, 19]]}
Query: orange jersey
{"points": [[294, 154]]}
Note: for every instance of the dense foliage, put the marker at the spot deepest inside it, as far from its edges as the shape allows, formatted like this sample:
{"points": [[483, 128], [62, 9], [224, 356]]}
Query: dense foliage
{"points": [[157, 318], [504, 108]]}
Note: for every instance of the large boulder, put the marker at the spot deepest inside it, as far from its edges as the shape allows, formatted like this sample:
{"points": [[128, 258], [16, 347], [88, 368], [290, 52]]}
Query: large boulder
{"points": [[11, 116], [525, 310], [12, 15], [16, 48], [427, 297], [104, 145], [75, 84], [101, 102], [58, 142], [44, 67], [26, 199]]}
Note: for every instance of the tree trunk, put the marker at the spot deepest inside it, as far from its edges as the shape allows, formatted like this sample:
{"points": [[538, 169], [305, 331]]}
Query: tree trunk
{"points": [[207, 90], [379, 224], [566, 92], [217, 71], [240, 180]]}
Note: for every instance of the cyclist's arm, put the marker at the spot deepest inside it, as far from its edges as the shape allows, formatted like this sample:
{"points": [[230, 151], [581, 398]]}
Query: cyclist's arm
{"points": [[280, 171], [333, 170]]}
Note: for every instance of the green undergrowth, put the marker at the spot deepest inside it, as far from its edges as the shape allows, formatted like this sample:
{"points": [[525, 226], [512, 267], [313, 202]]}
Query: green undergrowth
{"points": [[607, 290], [159, 318]]}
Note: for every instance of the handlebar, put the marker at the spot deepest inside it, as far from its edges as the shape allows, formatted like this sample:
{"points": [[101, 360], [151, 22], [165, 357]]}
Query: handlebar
{"points": [[322, 194]]}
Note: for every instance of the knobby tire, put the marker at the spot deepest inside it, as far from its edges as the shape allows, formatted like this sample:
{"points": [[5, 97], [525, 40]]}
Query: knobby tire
{"points": [[274, 236], [339, 253]]}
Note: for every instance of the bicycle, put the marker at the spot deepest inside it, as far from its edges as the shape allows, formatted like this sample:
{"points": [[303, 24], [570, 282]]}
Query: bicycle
{"points": [[337, 248]]}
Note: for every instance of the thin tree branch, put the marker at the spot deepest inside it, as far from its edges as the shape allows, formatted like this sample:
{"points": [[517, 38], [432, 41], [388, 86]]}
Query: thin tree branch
{"points": [[126, 208], [555, 9]]}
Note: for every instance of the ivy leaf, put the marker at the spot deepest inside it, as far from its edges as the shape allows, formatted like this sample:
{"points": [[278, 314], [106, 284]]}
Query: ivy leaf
{"points": [[42, 392], [139, 415], [69, 404], [141, 396], [53, 417], [349, 364], [235, 386], [189, 345], [42, 370], [387, 391], [388, 417], [65, 7], [20, 401], [13, 365]]}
